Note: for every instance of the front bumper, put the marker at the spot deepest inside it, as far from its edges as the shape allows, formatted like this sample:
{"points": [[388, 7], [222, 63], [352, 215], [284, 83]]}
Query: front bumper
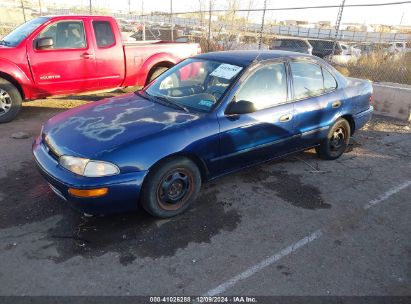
{"points": [[123, 189]]}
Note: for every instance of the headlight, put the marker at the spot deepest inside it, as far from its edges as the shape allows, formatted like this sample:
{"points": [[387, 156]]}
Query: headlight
{"points": [[87, 167]]}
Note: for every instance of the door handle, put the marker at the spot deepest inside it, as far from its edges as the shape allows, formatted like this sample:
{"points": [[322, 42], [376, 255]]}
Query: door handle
{"points": [[336, 104], [88, 56], [286, 117]]}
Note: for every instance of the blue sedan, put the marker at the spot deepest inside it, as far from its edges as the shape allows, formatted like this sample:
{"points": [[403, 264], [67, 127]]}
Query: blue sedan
{"points": [[207, 116]]}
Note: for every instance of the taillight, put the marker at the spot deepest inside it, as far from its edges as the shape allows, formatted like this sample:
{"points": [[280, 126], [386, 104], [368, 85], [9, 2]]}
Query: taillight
{"points": [[371, 99]]}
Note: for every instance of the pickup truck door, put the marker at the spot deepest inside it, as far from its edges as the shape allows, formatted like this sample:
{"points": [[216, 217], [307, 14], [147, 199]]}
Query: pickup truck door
{"points": [[265, 133], [317, 102], [109, 52], [69, 65]]}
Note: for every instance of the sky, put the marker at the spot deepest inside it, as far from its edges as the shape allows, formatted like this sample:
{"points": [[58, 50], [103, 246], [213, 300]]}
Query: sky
{"points": [[391, 15]]}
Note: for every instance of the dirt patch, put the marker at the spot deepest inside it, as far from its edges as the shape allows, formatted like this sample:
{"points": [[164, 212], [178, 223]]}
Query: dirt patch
{"points": [[26, 197], [140, 234], [291, 189], [288, 187], [353, 144], [129, 235]]}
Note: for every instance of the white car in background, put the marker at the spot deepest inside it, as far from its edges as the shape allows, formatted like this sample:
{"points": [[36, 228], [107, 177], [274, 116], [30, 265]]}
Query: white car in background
{"points": [[348, 55], [399, 47]]}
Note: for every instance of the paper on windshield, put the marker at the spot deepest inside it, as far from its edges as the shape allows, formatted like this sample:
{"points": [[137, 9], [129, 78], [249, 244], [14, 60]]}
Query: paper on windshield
{"points": [[226, 71]]}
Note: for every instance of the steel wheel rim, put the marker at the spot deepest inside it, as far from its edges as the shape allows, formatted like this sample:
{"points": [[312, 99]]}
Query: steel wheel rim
{"points": [[5, 102], [338, 139], [174, 189]]}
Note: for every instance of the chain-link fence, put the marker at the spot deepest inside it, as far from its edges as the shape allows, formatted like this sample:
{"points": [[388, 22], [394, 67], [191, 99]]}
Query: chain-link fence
{"points": [[377, 52]]}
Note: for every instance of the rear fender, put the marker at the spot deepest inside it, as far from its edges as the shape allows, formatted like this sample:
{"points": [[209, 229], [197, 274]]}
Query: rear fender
{"points": [[157, 60]]}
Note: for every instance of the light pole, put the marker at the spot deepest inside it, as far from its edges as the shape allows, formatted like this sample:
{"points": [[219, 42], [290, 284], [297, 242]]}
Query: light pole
{"points": [[90, 8], [262, 25], [24, 12], [337, 25], [171, 20], [209, 27], [142, 19]]}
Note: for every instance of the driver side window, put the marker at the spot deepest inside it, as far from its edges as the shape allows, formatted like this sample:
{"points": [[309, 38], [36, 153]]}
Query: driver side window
{"points": [[65, 35], [266, 87]]}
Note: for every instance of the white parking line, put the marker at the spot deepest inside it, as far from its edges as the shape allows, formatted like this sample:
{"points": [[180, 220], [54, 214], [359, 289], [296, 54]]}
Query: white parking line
{"points": [[293, 247], [263, 264], [387, 194]]}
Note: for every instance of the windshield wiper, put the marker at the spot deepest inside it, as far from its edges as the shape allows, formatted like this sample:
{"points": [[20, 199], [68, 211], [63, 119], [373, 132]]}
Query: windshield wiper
{"points": [[166, 100], [4, 42], [162, 98]]}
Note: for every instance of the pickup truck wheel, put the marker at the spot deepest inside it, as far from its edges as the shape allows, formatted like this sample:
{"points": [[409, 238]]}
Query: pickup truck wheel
{"points": [[336, 142], [10, 101], [155, 73], [171, 187]]}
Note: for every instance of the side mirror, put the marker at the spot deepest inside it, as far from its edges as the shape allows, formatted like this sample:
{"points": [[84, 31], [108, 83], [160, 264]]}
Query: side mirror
{"points": [[44, 43], [241, 107]]}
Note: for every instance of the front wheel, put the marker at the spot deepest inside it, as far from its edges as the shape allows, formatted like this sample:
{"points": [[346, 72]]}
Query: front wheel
{"points": [[171, 187], [336, 142], [10, 101]]}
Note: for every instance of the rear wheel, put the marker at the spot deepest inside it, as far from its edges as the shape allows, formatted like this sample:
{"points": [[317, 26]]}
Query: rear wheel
{"points": [[155, 73], [10, 101], [171, 187], [336, 142]]}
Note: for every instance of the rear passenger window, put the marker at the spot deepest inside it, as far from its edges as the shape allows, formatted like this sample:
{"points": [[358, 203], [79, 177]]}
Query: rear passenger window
{"points": [[329, 81], [265, 88], [307, 79], [104, 33]]}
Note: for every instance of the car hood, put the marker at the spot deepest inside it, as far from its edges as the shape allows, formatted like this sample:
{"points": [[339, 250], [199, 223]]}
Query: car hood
{"points": [[95, 128]]}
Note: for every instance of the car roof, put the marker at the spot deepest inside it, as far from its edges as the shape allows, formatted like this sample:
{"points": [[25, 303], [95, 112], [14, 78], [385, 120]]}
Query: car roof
{"points": [[245, 58]]}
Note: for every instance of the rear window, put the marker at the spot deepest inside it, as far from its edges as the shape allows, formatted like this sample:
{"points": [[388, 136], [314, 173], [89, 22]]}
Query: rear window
{"points": [[104, 33]]}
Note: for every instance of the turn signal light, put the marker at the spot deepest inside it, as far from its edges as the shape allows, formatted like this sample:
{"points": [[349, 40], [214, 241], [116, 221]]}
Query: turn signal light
{"points": [[88, 192]]}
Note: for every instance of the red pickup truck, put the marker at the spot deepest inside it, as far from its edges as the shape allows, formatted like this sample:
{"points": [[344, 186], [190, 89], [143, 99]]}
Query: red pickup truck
{"points": [[70, 54]]}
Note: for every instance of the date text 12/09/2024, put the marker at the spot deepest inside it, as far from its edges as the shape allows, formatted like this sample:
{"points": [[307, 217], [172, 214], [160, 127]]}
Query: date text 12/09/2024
{"points": [[204, 299]]}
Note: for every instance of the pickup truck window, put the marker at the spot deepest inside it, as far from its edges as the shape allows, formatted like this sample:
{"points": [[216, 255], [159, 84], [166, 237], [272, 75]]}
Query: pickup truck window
{"points": [[66, 35], [21, 32], [266, 87], [104, 33]]}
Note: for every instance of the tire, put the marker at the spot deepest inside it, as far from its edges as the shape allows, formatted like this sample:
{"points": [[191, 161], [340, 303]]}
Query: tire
{"points": [[336, 142], [10, 101], [171, 187], [155, 73]]}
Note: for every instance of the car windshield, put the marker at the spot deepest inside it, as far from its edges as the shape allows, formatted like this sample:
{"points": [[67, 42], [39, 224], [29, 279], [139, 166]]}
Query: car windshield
{"points": [[21, 32], [194, 84]]}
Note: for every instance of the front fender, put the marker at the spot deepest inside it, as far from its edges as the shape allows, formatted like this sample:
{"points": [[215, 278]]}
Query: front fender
{"points": [[13, 71]]}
